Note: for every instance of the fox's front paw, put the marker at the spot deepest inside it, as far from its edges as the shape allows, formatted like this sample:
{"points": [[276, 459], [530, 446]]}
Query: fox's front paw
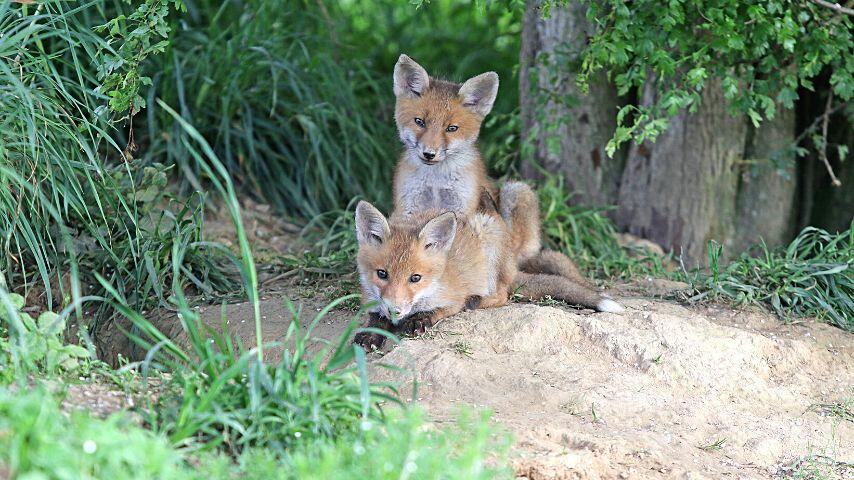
{"points": [[473, 302], [370, 341], [417, 324]]}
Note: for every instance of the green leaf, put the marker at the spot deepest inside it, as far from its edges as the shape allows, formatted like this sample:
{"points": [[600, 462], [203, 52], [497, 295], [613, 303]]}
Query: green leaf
{"points": [[50, 323], [17, 300], [755, 118]]}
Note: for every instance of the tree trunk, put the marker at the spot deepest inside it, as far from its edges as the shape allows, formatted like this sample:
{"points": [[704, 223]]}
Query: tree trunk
{"points": [[765, 206], [680, 191], [568, 129], [690, 186]]}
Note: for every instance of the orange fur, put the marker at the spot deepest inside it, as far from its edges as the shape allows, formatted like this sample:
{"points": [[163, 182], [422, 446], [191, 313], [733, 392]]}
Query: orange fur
{"points": [[439, 123], [476, 263]]}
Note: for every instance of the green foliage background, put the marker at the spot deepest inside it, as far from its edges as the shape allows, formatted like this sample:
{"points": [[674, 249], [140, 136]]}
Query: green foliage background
{"points": [[760, 51]]}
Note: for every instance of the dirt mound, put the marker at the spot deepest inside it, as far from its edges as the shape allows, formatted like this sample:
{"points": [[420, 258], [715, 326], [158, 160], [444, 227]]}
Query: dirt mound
{"points": [[661, 391], [658, 392]]}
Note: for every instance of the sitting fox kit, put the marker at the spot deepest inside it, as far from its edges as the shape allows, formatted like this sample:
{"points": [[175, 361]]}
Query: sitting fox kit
{"points": [[438, 123], [441, 167]]}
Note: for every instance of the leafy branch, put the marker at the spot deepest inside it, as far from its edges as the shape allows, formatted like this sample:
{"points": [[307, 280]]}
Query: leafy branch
{"points": [[760, 52], [143, 33]]}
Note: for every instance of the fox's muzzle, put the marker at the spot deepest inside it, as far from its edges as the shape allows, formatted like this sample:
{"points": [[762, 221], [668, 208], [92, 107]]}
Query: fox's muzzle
{"points": [[395, 311], [430, 156]]}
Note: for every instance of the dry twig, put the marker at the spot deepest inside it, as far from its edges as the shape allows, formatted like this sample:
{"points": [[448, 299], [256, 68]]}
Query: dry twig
{"points": [[822, 152], [834, 6]]}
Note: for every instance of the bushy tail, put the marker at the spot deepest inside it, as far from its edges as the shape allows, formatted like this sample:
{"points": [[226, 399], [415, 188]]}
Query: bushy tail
{"points": [[537, 286], [554, 263], [520, 209], [543, 272]]}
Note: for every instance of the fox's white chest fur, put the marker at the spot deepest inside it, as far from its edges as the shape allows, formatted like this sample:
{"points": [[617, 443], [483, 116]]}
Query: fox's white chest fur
{"points": [[445, 187]]}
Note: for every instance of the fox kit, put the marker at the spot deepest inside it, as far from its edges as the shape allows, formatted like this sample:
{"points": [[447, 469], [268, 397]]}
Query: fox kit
{"points": [[441, 167], [421, 268], [430, 265]]}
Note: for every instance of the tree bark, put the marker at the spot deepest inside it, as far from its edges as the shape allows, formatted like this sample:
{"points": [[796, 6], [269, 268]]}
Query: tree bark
{"points": [[680, 191], [567, 128], [705, 178], [765, 206]]}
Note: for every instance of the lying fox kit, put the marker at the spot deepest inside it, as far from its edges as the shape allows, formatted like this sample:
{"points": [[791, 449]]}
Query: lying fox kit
{"points": [[421, 268], [427, 266]]}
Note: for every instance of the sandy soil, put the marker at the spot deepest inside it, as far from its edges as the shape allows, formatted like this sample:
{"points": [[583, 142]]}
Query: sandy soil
{"points": [[637, 395], [661, 391]]}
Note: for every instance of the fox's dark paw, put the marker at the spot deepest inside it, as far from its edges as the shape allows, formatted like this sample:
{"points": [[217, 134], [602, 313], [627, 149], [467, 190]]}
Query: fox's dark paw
{"points": [[417, 324], [370, 341], [473, 302]]}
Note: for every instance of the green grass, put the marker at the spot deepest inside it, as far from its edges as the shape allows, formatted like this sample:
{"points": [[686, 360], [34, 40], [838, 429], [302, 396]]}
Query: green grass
{"points": [[330, 245], [713, 446], [230, 401], [843, 410], [296, 98], [77, 205], [37, 440], [818, 467], [588, 236], [218, 402], [231, 398], [812, 277], [286, 109], [408, 448], [462, 348]]}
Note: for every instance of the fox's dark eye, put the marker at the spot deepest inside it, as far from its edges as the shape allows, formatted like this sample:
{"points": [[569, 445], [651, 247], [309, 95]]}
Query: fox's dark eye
{"points": [[415, 278], [382, 274], [452, 128], [420, 122]]}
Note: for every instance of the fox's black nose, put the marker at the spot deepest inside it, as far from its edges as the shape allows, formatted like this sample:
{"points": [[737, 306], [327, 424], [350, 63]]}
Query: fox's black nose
{"points": [[429, 155]]}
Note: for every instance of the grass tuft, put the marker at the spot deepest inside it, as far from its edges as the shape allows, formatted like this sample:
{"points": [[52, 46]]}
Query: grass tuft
{"points": [[589, 237], [812, 277], [285, 107], [713, 446], [39, 440], [68, 212]]}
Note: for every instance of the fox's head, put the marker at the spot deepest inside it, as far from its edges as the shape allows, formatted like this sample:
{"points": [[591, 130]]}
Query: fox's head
{"points": [[439, 120], [402, 263]]}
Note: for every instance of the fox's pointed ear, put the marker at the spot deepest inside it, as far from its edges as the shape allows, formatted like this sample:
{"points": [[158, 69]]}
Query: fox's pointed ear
{"points": [[439, 233], [478, 93], [410, 79], [371, 225]]}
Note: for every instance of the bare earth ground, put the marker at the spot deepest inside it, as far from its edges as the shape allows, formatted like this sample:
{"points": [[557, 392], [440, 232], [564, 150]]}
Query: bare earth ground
{"points": [[661, 391], [637, 395]]}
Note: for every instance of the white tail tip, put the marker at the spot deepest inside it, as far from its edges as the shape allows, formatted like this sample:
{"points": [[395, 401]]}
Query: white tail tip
{"points": [[608, 305]]}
